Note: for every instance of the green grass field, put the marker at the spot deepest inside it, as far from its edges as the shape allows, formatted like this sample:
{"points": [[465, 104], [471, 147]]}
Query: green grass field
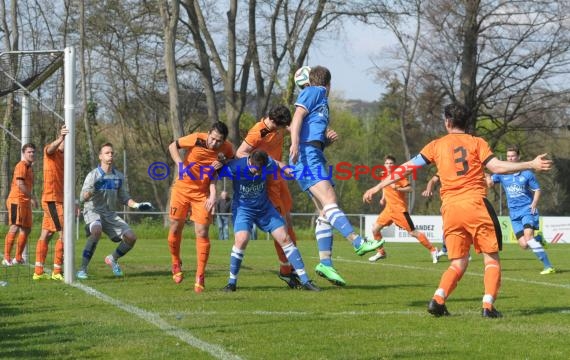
{"points": [[381, 314]]}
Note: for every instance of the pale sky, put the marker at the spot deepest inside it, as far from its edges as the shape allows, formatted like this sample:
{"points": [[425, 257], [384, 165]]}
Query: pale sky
{"points": [[348, 57]]}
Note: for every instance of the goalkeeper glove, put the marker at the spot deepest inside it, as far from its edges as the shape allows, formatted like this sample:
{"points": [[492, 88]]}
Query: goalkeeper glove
{"points": [[142, 206]]}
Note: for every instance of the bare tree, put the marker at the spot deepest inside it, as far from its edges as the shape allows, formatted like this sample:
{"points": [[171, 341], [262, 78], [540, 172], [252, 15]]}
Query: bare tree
{"points": [[502, 58], [262, 36], [403, 19]]}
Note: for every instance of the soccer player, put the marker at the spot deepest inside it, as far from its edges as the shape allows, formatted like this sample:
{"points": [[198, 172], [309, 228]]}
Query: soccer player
{"points": [[103, 191], [194, 193], [523, 193], [52, 204], [395, 200], [250, 177], [309, 137], [268, 135], [19, 203], [468, 217]]}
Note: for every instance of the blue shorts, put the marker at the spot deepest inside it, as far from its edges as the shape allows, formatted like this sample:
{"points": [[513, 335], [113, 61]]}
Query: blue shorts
{"points": [[311, 167], [267, 219], [524, 220]]}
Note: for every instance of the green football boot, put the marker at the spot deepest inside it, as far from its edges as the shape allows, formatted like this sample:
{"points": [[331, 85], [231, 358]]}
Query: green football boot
{"points": [[368, 246], [329, 273]]}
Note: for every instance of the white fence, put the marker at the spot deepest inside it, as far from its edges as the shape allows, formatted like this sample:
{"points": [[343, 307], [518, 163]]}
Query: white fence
{"points": [[554, 229]]}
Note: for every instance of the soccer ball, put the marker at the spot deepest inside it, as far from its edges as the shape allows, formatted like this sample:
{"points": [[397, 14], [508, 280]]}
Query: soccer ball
{"points": [[302, 77]]}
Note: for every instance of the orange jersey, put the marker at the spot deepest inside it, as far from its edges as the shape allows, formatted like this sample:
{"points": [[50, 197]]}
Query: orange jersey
{"points": [[24, 172], [196, 171], [53, 176], [260, 137], [396, 201], [460, 159]]}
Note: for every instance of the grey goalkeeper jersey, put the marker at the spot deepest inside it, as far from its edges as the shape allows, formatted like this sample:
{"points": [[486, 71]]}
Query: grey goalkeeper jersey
{"points": [[108, 193]]}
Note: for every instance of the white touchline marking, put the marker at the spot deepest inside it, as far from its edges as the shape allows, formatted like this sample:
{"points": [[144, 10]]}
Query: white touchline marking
{"points": [[216, 351], [301, 313], [436, 269]]}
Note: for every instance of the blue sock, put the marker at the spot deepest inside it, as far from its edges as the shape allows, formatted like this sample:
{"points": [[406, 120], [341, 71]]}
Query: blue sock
{"points": [[88, 252], [357, 241], [337, 218], [539, 252], [294, 257], [324, 235], [236, 258]]}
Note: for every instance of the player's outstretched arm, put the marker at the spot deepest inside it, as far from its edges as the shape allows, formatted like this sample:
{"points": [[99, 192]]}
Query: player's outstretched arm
{"points": [[540, 163], [409, 168]]}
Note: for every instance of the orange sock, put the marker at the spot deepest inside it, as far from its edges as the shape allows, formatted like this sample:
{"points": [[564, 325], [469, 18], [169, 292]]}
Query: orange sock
{"points": [[422, 238], [58, 257], [448, 283], [174, 241], [377, 236], [41, 253], [285, 267], [492, 278], [22, 240], [202, 255], [9, 244]]}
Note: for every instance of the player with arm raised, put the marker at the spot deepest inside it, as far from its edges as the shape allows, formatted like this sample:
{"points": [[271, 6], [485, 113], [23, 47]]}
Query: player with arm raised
{"points": [[468, 217], [52, 204], [309, 136]]}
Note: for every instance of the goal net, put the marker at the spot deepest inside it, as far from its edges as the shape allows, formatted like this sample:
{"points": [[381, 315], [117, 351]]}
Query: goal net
{"points": [[23, 70], [22, 73]]}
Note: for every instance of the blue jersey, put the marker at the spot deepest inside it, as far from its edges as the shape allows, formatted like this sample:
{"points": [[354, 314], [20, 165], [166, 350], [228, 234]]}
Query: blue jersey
{"points": [[249, 191], [520, 188], [314, 126]]}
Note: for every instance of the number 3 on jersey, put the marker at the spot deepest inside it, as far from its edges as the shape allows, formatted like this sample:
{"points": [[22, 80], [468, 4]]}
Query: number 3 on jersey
{"points": [[461, 159]]}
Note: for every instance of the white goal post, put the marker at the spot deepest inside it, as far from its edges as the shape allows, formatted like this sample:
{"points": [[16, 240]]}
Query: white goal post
{"points": [[24, 79], [69, 167]]}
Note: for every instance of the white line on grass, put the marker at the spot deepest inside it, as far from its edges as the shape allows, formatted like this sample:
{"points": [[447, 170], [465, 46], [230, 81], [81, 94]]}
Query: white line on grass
{"points": [[301, 313], [440, 270], [216, 351]]}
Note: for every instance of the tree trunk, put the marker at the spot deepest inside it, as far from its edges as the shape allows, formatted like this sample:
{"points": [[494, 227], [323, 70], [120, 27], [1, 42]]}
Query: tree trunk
{"points": [[468, 75], [170, 17], [193, 12], [86, 99]]}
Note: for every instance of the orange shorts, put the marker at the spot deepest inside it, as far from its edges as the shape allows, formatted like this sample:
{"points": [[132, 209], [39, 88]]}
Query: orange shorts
{"points": [[186, 202], [280, 196], [53, 216], [401, 219], [470, 221], [19, 214]]}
